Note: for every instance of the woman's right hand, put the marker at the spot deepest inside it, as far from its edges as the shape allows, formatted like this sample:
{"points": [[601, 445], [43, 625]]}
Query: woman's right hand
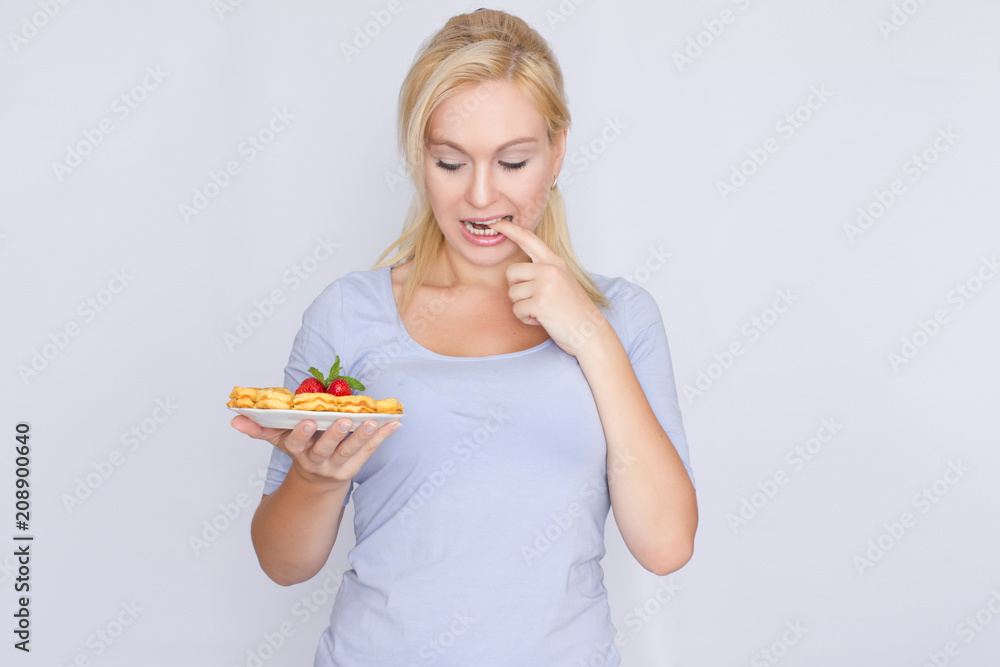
{"points": [[330, 457], [295, 527]]}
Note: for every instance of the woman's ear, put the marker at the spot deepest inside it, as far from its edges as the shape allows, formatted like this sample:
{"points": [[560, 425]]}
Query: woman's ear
{"points": [[559, 150]]}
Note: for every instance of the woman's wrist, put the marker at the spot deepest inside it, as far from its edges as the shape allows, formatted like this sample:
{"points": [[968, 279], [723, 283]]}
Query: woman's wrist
{"points": [[316, 483], [597, 343]]}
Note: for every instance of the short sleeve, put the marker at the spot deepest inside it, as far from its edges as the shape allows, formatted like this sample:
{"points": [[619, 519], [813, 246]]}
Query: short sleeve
{"points": [[315, 344], [649, 353]]}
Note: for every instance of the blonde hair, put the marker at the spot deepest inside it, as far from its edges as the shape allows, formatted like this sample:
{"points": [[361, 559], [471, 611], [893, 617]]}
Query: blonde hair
{"points": [[471, 49]]}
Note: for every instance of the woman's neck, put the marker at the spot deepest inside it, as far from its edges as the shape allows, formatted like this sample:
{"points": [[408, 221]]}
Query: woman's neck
{"points": [[452, 269]]}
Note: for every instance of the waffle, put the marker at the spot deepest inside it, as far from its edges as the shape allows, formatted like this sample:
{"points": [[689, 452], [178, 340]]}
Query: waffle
{"points": [[274, 398], [320, 402], [279, 398], [389, 406], [243, 397], [330, 403]]}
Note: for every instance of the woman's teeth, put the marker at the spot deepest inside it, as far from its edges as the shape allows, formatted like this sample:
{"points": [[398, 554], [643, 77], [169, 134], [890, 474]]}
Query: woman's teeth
{"points": [[481, 228]]}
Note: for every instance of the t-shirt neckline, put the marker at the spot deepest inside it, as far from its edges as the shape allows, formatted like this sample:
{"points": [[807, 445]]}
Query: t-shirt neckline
{"points": [[405, 335]]}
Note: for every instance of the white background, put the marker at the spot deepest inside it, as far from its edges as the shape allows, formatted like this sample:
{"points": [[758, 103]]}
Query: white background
{"points": [[125, 551]]}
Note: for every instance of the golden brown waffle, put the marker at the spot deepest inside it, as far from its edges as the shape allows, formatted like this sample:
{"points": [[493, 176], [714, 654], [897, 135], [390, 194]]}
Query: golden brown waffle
{"points": [[389, 406], [274, 398], [243, 397], [279, 398], [313, 401], [355, 404]]}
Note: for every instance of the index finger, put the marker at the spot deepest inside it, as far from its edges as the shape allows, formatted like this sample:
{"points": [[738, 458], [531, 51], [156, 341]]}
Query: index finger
{"points": [[526, 239]]}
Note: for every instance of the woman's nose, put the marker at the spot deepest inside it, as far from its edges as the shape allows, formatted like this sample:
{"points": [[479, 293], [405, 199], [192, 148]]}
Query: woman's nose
{"points": [[482, 188]]}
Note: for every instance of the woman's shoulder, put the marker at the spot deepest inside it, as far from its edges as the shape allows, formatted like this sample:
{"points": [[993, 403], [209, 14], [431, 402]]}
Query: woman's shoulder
{"points": [[621, 292], [632, 307], [361, 282], [362, 289]]}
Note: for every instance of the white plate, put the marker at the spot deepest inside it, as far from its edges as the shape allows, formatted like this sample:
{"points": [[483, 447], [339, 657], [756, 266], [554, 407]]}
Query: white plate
{"points": [[324, 420]]}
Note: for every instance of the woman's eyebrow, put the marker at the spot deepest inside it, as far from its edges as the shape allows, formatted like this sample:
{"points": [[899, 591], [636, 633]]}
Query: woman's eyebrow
{"points": [[512, 142]]}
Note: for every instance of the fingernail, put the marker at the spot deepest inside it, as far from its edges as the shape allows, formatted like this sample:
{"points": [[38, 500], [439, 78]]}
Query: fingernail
{"points": [[308, 428], [344, 427], [369, 428], [394, 426]]}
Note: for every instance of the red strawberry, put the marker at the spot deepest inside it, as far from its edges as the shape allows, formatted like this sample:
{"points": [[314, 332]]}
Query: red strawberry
{"points": [[315, 385], [310, 386], [339, 387], [334, 383]]}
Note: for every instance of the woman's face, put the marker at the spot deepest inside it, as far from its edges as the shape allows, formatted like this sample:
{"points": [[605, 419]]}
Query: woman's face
{"points": [[487, 157]]}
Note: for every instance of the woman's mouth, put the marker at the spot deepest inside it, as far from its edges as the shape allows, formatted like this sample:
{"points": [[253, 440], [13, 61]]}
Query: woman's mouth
{"points": [[483, 228]]}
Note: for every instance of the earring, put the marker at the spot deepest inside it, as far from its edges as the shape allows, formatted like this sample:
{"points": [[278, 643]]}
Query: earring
{"points": [[555, 182]]}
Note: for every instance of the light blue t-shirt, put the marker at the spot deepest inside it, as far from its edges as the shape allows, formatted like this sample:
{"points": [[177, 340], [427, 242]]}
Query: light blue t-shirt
{"points": [[480, 522]]}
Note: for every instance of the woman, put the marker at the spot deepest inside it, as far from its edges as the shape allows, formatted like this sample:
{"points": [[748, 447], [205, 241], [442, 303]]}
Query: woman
{"points": [[537, 396]]}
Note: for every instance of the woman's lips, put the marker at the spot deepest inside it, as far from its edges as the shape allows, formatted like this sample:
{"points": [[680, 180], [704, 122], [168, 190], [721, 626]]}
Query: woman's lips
{"points": [[481, 234], [509, 218]]}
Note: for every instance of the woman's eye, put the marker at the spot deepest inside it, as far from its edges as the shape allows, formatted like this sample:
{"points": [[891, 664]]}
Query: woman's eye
{"points": [[513, 166], [507, 166]]}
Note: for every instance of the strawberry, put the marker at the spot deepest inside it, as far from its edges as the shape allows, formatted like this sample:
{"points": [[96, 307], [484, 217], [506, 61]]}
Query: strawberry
{"points": [[310, 386], [339, 387], [334, 383]]}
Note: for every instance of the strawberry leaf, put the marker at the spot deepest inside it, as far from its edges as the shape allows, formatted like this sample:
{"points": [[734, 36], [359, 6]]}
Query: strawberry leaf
{"points": [[316, 374], [353, 384]]}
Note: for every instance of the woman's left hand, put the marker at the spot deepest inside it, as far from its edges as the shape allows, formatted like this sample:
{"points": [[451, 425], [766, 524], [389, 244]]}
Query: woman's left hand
{"points": [[545, 292]]}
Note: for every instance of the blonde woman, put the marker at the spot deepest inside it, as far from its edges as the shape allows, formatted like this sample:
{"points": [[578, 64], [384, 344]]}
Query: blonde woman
{"points": [[537, 396]]}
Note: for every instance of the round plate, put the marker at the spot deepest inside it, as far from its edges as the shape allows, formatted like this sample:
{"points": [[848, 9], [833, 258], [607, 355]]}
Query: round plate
{"points": [[324, 420]]}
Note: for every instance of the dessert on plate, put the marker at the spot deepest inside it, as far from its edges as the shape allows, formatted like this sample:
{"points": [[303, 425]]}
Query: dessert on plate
{"points": [[332, 393]]}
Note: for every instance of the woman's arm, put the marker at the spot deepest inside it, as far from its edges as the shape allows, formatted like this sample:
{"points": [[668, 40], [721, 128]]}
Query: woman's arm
{"points": [[651, 493], [294, 528]]}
